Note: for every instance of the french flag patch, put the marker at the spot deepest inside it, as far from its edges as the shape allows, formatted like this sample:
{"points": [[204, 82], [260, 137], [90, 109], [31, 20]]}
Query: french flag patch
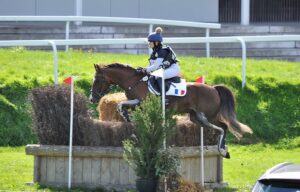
{"points": [[179, 92]]}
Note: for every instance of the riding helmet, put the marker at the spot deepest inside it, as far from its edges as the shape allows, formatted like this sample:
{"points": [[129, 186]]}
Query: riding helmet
{"points": [[156, 36]]}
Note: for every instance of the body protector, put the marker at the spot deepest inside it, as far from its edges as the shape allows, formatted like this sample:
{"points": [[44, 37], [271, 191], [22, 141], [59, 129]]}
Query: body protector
{"points": [[168, 55]]}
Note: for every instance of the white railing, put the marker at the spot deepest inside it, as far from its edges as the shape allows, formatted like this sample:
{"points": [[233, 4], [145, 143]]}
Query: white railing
{"points": [[233, 39], [150, 22]]}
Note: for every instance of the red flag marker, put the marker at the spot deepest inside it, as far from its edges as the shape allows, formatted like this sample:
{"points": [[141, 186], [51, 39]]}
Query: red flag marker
{"points": [[68, 80], [200, 79]]}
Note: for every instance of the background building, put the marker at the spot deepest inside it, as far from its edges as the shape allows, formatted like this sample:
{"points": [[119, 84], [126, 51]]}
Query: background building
{"points": [[191, 10]]}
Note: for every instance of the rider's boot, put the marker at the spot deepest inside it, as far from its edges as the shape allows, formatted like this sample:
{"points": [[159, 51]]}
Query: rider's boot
{"points": [[159, 82], [123, 112]]}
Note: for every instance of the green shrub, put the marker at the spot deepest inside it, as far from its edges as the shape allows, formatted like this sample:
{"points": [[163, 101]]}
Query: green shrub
{"points": [[144, 152]]}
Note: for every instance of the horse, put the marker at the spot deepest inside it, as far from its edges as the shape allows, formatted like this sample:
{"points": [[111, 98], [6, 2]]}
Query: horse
{"points": [[208, 106]]}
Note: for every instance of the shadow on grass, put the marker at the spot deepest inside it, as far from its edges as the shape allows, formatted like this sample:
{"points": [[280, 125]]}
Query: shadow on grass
{"points": [[75, 189]]}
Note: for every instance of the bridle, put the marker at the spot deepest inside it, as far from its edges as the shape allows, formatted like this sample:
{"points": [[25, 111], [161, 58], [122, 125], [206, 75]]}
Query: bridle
{"points": [[101, 94]]}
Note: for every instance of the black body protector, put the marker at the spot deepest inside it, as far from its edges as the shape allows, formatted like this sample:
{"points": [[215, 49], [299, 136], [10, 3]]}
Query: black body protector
{"points": [[165, 52], [169, 58]]}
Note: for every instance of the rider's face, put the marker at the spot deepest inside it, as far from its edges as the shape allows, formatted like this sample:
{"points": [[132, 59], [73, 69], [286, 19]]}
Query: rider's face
{"points": [[151, 44]]}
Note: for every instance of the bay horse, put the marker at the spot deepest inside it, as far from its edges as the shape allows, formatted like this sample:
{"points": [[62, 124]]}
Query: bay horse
{"points": [[208, 106]]}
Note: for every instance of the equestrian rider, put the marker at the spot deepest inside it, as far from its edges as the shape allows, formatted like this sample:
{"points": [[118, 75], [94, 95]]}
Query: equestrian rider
{"points": [[162, 56]]}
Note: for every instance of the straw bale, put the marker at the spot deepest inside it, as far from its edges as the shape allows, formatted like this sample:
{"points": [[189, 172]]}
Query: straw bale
{"points": [[187, 133], [107, 107], [105, 133]]}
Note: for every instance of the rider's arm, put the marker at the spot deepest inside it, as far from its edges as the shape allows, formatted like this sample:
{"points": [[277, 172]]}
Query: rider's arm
{"points": [[156, 64], [161, 54]]}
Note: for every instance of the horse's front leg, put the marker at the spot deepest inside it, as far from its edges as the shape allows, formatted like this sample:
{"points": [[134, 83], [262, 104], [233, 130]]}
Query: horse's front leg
{"points": [[123, 108]]}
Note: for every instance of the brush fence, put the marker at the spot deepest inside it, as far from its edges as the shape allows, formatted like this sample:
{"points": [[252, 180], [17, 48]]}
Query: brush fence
{"points": [[105, 167]]}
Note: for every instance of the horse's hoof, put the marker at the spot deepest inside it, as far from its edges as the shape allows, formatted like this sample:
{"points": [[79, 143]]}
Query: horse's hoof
{"points": [[227, 156]]}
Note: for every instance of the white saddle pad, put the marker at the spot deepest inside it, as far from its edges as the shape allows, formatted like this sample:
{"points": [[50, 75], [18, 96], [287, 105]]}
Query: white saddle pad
{"points": [[177, 89]]}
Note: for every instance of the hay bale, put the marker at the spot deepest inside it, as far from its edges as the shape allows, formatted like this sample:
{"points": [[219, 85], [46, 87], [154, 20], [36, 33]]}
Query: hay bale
{"points": [[105, 133], [187, 133], [108, 133], [107, 107]]}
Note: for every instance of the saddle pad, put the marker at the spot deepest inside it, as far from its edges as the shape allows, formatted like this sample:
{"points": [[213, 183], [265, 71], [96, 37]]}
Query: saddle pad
{"points": [[177, 89]]}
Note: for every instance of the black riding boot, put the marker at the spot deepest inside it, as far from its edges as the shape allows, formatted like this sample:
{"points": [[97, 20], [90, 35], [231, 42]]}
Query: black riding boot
{"points": [[159, 82]]}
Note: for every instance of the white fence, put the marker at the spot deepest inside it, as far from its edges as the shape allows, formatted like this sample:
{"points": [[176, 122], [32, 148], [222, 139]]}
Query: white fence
{"points": [[142, 21], [233, 39]]}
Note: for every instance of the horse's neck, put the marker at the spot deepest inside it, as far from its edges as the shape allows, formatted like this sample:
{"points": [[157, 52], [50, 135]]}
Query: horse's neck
{"points": [[129, 81], [122, 78]]}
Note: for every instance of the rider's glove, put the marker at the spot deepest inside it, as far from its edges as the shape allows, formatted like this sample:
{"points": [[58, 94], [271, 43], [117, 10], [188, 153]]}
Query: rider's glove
{"points": [[141, 70]]}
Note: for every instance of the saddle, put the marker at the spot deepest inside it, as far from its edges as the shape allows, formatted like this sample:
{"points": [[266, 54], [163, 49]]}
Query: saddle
{"points": [[173, 87]]}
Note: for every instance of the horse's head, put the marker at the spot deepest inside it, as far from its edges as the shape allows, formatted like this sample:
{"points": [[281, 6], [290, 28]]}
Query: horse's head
{"points": [[101, 85]]}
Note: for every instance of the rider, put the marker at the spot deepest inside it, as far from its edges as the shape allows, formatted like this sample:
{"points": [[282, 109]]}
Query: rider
{"points": [[162, 56]]}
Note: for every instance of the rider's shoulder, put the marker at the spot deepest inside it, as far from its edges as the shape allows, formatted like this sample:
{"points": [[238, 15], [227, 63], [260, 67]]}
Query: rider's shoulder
{"points": [[162, 52]]}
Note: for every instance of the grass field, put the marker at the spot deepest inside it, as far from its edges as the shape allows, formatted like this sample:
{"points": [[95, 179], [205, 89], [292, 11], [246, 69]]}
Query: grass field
{"points": [[240, 172], [23, 64]]}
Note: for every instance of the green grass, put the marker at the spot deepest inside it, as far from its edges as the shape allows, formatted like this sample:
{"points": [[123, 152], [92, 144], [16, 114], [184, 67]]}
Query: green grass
{"points": [[22, 64], [247, 163], [15, 169]]}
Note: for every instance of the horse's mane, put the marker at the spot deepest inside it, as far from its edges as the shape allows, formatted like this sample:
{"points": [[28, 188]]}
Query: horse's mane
{"points": [[118, 65]]}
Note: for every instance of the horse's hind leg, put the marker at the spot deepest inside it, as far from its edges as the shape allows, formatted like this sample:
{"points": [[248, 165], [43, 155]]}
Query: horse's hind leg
{"points": [[123, 108], [199, 118], [224, 127]]}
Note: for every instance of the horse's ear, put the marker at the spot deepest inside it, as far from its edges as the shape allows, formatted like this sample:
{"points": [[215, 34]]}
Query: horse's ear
{"points": [[96, 67]]}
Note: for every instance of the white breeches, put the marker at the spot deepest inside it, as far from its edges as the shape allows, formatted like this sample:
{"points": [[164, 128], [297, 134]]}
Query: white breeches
{"points": [[172, 71]]}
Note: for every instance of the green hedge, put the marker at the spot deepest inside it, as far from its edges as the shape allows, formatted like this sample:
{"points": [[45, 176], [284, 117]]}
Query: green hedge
{"points": [[269, 107], [15, 118]]}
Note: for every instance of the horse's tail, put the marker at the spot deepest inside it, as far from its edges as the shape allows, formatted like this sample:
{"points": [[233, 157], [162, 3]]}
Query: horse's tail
{"points": [[227, 114]]}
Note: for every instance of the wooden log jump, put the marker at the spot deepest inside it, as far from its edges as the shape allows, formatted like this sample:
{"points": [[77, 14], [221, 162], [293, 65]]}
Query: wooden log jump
{"points": [[104, 166]]}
